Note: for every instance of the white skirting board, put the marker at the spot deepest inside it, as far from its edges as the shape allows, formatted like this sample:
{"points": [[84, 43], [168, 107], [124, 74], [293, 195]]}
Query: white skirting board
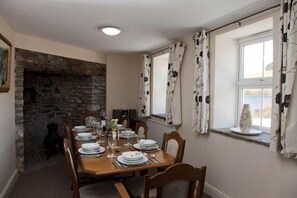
{"points": [[213, 192], [9, 184]]}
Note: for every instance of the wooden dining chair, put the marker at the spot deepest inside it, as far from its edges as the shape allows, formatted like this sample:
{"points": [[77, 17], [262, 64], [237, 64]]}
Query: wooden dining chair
{"points": [[179, 180], [141, 129], [174, 144], [88, 117], [83, 178], [125, 121], [104, 189]]}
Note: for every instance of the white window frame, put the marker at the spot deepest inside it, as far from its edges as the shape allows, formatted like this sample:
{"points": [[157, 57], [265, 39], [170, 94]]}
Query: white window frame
{"points": [[246, 83], [152, 81]]}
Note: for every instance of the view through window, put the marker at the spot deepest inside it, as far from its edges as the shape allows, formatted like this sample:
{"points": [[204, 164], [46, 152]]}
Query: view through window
{"points": [[159, 84], [255, 79]]}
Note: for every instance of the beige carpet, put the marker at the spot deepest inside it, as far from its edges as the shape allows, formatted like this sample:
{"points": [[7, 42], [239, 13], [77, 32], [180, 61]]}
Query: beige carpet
{"points": [[48, 182]]}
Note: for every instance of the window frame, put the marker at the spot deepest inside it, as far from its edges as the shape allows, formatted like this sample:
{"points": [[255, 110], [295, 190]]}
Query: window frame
{"points": [[152, 81], [252, 83]]}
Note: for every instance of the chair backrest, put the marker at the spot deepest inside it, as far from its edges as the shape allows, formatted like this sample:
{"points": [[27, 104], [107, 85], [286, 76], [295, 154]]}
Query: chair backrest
{"points": [[174, 144], [179, 180], [125, 121], [71, 167], [67, 131], [69, 136], [87, 117], [141, 129]]}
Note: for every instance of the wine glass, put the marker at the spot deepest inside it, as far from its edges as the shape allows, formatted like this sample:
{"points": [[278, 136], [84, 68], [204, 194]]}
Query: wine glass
{"points": [[99, 131], [140, 140], [93, 123], [128, 133], [112, 142]]}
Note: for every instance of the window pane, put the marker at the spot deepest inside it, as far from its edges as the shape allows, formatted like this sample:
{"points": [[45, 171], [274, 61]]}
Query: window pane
{"points": [[254, 98], [267, 106], [253, 60], [268, 58], [160, 65]]}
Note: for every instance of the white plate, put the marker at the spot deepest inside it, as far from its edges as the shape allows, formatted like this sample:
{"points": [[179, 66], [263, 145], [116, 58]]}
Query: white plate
{"points": [[126, 137], [82, 151], [121, 159], [251, 132], [146, 148], [80, 131], [85, 139]]}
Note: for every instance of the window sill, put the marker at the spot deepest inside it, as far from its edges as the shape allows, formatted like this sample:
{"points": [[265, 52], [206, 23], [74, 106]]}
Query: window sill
{"points": [[160, 121], [263, 138]]}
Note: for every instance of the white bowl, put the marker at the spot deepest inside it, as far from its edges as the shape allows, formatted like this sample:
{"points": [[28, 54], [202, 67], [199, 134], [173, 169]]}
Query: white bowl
{"points": [[84, 135], [132, 155], [80, 128], [90, 146], [126, 133], [148, 142]]}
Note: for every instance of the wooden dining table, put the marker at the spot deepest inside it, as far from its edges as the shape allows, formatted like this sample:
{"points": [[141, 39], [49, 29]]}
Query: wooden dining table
{"points": [[101, 165]]}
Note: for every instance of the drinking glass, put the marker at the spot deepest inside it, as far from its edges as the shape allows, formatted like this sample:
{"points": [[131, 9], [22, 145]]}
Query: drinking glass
{"points": [[112, 142], [128, 133], [140, 140], [93, 124], [99, 131]]}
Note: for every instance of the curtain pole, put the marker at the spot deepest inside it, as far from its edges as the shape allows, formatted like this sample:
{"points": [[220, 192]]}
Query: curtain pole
{"points": [[164, 49], [243, 18]]}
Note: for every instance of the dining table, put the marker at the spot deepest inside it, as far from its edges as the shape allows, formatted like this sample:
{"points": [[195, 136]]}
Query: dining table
{"points": [[101, 165]]}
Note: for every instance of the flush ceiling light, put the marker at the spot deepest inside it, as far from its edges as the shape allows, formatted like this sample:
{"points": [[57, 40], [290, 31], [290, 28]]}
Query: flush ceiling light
{"points": [[110, 30]]}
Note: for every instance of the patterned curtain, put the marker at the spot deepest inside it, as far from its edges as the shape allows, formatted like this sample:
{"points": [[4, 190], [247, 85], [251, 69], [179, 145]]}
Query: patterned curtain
{"points": [[144, 88], [284, 119], [173, 104], [200, 110]]}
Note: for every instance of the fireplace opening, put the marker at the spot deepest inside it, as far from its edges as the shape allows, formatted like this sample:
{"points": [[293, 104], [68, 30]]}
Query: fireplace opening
{"points": [[51, 89], [51, 99]]}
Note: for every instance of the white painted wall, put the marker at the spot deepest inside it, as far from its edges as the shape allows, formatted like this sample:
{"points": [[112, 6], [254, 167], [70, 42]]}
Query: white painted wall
{"points": [[236, 168], [7, 126], [123, 74], [59, 49], [225, 80]]}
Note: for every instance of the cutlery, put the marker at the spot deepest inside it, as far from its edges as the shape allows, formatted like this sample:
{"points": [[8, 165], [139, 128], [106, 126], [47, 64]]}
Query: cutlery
{"points": [[153, 156], [121, 164], [117, 164]]}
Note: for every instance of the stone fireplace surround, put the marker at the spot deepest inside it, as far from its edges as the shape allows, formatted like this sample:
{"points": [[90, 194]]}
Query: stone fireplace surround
{"points": [[51, 88]]}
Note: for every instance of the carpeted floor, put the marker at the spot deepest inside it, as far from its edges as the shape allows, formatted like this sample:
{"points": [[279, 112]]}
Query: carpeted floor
{"points": [[48, 182]]}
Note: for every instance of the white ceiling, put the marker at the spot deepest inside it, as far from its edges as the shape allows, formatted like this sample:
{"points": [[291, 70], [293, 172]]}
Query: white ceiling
{"points": [[146, 25]]}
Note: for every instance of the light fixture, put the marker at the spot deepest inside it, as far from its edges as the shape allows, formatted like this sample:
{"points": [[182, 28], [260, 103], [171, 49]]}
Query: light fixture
{"points": [[111, 30]]}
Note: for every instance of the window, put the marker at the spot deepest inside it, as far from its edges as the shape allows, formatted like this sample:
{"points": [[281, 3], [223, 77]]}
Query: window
{"points": [[159, 84], [255, 78]]}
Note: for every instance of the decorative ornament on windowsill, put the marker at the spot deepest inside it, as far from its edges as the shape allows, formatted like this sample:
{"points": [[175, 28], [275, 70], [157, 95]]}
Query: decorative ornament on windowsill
{"points": [[245, 123]]}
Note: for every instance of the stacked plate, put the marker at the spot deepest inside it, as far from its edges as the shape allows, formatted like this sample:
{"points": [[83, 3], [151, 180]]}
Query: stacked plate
{"points": [[80, 129], [126, 134], [132, 158], [85, 137], [91, 148], [146, 145]]}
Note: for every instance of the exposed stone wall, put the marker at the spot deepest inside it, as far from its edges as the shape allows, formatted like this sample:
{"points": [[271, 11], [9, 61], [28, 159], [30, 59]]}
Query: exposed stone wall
{"points": [[53, 89]]}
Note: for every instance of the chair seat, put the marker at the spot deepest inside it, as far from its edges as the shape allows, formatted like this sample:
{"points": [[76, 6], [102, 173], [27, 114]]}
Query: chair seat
{"points": [[101, 189], [136, 186], [177, 188]]}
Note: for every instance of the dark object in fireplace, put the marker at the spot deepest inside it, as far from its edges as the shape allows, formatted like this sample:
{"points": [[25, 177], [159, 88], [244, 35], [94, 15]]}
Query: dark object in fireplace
{"points": [[52, 141]]}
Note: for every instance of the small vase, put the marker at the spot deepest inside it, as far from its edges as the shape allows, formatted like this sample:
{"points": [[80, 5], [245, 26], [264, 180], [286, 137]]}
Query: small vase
{"points": [[245, 119]]}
